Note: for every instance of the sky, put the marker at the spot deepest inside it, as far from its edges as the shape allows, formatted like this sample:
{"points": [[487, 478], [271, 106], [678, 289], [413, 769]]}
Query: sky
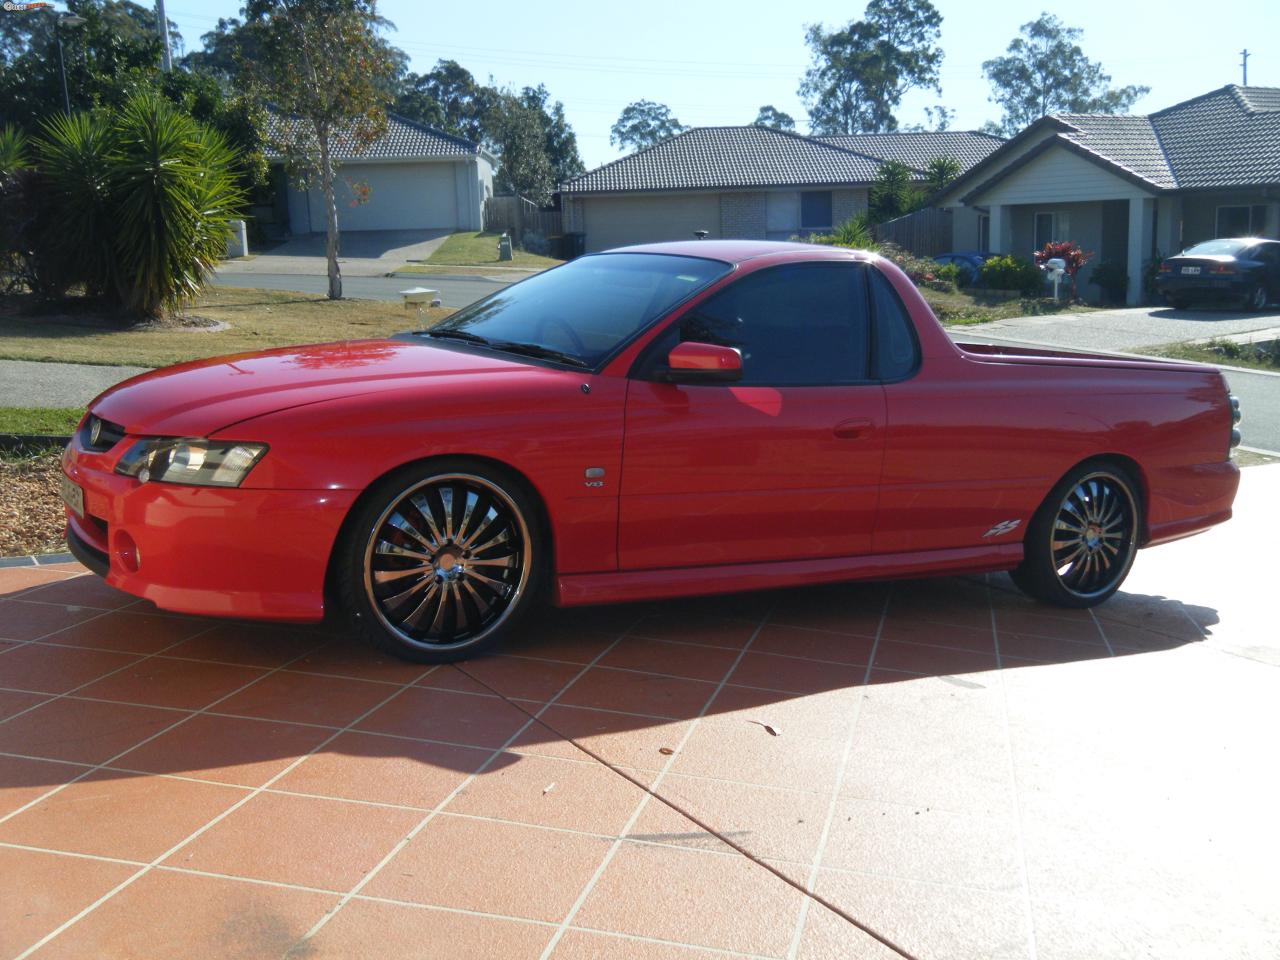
{"points": [[715, 62]]}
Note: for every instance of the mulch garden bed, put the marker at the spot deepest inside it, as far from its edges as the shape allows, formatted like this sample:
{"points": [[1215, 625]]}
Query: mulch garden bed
{"points": [[31, 517]]}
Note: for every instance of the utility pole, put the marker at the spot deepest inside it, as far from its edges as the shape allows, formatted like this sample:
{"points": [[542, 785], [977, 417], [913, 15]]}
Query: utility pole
{"points": [[1244, 66], [162, 27]]}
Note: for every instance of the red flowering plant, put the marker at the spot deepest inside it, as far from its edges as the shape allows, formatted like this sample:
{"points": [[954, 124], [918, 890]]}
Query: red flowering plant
{"points": [[1069, 253]]}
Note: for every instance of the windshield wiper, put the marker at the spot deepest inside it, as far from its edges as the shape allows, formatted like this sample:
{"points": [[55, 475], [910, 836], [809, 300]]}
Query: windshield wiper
{"points": [[538, 350], [457, 335]]}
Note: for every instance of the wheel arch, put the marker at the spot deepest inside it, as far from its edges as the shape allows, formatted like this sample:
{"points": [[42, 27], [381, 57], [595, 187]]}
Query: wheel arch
{"points": [[1130, 466], [543, 519]]}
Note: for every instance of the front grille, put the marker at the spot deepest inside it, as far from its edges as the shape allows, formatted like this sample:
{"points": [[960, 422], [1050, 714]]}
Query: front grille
{"points": [[100, 435]]}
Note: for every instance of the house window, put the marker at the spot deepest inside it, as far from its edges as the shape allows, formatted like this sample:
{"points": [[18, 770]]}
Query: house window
{"points": [[984, 233], [1241, 221], [1050, 226], [815, 210]]}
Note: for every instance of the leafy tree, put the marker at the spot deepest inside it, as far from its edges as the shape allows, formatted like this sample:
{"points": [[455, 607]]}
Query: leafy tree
{"points": [[861, 72], [559, 140], [644, 123], [327, 71], [225, 48], [519, 138], [1044, 71], [447, 98], [939, 172], [771, 116], [893, 192]]}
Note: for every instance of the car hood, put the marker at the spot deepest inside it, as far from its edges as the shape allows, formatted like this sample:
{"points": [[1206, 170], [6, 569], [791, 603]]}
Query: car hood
{"points": [[198, 398]]}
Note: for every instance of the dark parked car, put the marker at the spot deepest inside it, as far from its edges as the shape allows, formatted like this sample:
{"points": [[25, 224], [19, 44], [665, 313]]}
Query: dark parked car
{"points": [[969, 262], [1245, 269]]}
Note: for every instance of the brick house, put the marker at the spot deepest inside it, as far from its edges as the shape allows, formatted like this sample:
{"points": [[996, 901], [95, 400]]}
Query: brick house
{"points": [[746, 183]]}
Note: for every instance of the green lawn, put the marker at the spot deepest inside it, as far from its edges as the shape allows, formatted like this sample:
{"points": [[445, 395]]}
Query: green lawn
{"points": [[967, 306], [55, 421], [471, 249], [1225, 352], [256, 320]]}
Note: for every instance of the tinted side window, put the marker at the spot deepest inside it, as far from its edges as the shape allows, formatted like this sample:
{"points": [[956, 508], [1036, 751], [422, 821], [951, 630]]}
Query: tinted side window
{"points": [[895, 342], [798, 324]]}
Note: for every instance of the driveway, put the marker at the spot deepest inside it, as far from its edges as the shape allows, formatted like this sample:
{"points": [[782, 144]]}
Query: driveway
{"points": [[1123, 330], [363, 253], [940, 765]]}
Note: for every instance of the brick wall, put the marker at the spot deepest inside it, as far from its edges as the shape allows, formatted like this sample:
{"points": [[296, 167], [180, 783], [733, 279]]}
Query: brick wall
{"points": [[742, 216], [846, 204]]}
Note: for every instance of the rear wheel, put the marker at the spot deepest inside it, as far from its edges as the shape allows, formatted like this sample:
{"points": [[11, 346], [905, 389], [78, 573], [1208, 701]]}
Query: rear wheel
{"points": [[1256, 298], [441, 560], [1081, 542]]}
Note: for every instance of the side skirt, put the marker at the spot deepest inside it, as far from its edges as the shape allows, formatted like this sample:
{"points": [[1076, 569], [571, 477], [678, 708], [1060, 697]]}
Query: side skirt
{"points": [[586, 588]]}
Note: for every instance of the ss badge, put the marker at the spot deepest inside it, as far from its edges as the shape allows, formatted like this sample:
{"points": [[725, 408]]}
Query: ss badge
{"points": [[1001, 528]]}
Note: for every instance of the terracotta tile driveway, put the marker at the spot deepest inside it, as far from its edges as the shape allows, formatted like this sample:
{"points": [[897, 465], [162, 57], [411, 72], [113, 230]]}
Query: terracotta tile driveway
{"points": [[960, 771]]}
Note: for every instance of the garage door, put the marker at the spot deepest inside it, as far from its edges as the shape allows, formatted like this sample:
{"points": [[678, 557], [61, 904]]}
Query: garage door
{"points": [[402, 196], [620, 221]]}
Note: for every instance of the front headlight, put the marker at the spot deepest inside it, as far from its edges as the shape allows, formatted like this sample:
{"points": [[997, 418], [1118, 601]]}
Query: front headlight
{"points": [[191, 460]]}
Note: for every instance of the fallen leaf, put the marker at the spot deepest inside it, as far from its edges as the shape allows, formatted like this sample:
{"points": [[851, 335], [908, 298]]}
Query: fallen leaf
{"points": [[548, 788], [666, 751]]}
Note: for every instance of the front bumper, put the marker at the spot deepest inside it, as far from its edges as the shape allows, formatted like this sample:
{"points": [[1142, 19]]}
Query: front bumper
{"points": [[231, 552]]}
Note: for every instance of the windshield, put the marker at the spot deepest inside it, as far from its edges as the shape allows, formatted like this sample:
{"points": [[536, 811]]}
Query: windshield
{"points": [[581, 312], [1211, 247]]}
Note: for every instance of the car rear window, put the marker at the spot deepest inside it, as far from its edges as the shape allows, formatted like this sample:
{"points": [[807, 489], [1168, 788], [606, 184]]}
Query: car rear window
{"points": [[1215, 248]]}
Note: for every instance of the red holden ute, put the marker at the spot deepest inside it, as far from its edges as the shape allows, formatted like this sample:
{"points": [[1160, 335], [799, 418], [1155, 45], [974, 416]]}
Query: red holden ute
{"points": [[657, 421]]}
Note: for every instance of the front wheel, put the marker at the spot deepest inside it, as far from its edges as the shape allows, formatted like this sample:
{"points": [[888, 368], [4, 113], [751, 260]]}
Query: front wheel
{"points": [[441, 559], [1081, 542]]}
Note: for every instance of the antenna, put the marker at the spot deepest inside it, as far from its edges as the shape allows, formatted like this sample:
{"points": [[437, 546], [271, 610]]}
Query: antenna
{"points": [[1244, 67]]}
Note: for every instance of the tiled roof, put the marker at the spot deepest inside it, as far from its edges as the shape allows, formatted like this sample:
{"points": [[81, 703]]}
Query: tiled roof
{"points": [[916, 149], [403, 140], [713, 157], [1128, 142], [1228, 137]]}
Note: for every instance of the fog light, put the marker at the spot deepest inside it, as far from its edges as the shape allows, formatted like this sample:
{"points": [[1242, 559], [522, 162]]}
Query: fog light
{"points": [[126, 552]]}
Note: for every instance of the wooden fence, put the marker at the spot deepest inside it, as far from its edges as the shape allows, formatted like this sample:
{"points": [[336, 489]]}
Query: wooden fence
{"points": [[926, 233], [518, 216]]}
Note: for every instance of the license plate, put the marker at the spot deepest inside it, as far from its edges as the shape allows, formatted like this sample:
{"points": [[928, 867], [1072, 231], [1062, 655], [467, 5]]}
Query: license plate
{"points": [[1191, 271], [72, 495]]}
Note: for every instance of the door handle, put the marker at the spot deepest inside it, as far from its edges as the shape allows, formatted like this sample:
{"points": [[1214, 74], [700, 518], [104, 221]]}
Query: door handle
{"points": [[852, 429]]}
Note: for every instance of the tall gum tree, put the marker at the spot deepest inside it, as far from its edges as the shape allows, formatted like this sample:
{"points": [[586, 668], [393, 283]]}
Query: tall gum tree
{"points": [[325, 70]]}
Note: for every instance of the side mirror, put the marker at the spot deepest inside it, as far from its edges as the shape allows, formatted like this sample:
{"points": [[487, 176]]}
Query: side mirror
{"points": [[703, 363]]}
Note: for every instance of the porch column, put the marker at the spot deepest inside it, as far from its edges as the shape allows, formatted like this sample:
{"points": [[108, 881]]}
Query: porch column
{"points": [[1000, 227], [1141, 211]]}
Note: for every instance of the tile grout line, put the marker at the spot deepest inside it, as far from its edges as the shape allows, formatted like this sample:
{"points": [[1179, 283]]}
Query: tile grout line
{"points": [[649, 791], [1102, 633], [823, 838], [225, 813], [1013, 780], [404, 841]]}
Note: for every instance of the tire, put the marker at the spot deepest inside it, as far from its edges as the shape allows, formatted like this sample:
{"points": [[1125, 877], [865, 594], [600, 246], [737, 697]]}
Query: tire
{"points": [[1095, 512], [1256, 300], [1179, 303], [442, 559]]}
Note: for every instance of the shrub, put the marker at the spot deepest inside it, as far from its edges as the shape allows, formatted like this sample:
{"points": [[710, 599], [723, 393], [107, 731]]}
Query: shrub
{"points": [[1070, 253], [536, 243], [1007, 272], [1112, 277], [917, 268], [949, 272], [854, 233], [139, 204]]}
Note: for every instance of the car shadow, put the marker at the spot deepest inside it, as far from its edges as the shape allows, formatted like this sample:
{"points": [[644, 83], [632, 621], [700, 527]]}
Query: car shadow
{"points": [[1213, 313], [629, 668]]}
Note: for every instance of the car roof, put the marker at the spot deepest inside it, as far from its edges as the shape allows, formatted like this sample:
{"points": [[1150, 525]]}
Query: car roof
{"points": [[737, 251]]}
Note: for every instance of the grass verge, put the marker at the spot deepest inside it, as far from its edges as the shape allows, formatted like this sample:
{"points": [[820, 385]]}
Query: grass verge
{"points": [[965, 307], [481, 250], [1228, 352], [54, 421], [255, 319]]}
